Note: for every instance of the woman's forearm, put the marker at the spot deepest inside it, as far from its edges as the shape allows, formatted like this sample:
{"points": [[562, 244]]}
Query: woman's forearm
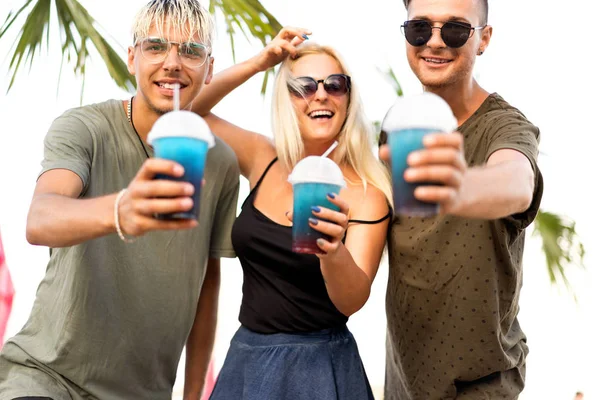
{"points": [[222, 84], [347, 284]]}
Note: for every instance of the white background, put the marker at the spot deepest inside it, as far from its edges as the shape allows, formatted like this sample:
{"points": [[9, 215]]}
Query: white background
{"points": [[543, 59]]}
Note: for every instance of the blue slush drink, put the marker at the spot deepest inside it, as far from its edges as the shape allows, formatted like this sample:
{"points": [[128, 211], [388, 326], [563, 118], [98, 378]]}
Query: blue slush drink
{"points": [[312, 179], [406, 123], [183, 137]]}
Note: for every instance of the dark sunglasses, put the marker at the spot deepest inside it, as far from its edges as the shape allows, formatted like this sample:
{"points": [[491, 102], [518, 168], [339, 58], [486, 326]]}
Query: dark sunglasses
{"points": [[335, 85], [455, 34]]}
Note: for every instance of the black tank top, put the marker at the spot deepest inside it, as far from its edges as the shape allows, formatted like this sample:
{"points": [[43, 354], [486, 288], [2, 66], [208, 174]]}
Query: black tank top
{"points": [[282, 291]]}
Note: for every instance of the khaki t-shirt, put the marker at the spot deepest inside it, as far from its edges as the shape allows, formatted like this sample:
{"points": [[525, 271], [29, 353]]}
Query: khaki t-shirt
{"points": [[453, 292], [110, 319]]}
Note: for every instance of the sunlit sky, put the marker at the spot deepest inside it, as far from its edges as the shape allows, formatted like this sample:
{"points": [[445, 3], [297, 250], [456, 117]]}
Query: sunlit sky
{"points": [[542, 59]]}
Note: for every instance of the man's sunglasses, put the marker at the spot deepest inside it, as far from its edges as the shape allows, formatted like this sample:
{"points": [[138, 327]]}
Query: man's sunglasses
{"points": [[305, 86], [455, 34]]}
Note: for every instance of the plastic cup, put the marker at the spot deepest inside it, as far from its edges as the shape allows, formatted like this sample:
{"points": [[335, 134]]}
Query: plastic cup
{"points": [[406, 123], [312, 179], [183, 137]]}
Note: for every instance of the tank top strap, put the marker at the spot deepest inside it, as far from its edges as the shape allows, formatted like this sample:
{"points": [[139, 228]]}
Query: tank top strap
{"points": [[253, 191], [264, 173]]}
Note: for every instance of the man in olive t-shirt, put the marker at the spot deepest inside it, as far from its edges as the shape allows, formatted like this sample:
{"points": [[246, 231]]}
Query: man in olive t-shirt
{"points": [[454, 280], [123, 291]]}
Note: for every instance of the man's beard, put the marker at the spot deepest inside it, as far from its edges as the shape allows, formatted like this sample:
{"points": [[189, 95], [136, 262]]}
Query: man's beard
{"points": [[157, 110], [162, 111], [443, 82]]}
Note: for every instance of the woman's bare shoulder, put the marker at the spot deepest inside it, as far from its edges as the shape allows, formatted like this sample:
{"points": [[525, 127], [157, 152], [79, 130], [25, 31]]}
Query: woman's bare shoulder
{"points": [[366, 203]]}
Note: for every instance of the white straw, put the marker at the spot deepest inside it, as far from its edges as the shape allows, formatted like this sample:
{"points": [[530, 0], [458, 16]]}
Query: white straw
{"points": [[176, 98], [330, 149]]}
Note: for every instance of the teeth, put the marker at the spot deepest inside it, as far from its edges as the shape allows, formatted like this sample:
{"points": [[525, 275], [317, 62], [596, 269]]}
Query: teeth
{"points": [[320, 113], [436, 60], [167, 85]]}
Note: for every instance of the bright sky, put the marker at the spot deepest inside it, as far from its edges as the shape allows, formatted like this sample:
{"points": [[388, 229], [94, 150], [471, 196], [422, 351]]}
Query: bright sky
{"points": [[538, 60]]}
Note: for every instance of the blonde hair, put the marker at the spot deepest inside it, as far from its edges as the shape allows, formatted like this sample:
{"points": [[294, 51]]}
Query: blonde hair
{"points": [[356, 138], [187, 17]]}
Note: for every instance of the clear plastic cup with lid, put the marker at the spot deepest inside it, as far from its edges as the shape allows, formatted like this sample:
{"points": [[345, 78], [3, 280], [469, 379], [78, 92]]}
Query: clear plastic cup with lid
{"points": [[312, 179], [406, 123], [183, 137]]}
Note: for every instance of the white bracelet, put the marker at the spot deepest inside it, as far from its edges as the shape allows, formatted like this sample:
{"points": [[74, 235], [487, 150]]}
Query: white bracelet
{"points": [[116, 214]]}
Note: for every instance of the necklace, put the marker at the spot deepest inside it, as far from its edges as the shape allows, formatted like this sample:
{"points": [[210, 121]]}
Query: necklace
{"points": [[130, 119]]}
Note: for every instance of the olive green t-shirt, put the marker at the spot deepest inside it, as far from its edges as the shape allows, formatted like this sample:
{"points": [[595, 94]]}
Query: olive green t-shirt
{"points": [[453, 290], [110, 319]]}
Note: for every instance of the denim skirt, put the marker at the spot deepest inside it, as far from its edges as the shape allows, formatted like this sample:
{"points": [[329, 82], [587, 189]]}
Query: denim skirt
{"points": [[323, 365]]}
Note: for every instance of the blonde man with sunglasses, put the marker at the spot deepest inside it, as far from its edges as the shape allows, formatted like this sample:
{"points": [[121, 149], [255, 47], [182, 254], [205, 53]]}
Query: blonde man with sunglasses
{"points": [[124, 291], [453, 289]]}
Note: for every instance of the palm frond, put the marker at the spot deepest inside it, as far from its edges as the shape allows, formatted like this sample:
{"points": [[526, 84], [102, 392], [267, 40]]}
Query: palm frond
{"points": [[561, 245], [31, 38], [11, 17], [249, 17], [391, 77], [71, 14], [77, 31]]}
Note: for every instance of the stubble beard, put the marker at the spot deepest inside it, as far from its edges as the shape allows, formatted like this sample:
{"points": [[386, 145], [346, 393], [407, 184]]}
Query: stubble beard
{"points": [[433, 81], [157, 110]]}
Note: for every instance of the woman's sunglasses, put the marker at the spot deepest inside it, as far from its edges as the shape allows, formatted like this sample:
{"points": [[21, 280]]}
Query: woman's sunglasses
{"points": [[455, 34], [305, 86]]}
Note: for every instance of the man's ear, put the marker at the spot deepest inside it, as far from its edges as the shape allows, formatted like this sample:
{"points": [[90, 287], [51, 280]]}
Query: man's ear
{"points": [[486, 36], [209, 73], [131, 60]]}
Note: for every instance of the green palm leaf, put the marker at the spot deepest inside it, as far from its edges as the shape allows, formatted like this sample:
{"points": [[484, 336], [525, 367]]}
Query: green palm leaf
{"points": [[391, 77], [32, 34], [77, 30], [250, 17], [561, 245]]}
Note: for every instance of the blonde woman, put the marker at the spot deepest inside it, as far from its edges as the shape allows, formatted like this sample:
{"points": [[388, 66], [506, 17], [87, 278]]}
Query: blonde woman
{"points": [[293, 342]]}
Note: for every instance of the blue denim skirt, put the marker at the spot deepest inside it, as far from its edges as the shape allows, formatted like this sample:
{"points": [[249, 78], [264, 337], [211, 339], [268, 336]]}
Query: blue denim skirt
{"points": [[323, 365]]}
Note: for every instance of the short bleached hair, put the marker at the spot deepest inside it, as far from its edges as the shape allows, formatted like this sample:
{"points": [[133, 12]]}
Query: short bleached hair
{"points": [[187, 18]]}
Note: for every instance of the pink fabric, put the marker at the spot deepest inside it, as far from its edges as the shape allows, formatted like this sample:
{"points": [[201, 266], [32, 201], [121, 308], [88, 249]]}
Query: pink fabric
{"points": [[210, 380], [6, 293]]}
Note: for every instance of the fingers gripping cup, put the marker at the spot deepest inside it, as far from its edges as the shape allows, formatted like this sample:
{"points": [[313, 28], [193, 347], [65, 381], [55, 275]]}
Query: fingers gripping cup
{"points": [[312, 179], [406, 123], [183, 137]]}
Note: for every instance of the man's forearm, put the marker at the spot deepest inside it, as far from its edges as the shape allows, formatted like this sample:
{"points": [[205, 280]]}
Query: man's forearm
{"points": [[496, 191], [202, 336], [59, 221], [222, 84]]}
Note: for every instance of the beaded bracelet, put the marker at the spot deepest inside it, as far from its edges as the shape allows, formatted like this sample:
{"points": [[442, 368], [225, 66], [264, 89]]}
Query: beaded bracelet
{"points": [[116, 214]]}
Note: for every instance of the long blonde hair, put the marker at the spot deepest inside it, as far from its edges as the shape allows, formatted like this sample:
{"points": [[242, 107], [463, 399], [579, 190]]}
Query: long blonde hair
{"points": [[356, 138]]}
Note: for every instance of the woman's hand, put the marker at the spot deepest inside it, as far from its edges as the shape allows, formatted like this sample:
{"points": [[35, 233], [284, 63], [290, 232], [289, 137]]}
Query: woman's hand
{"points": [[332, 223], [282, 46]]}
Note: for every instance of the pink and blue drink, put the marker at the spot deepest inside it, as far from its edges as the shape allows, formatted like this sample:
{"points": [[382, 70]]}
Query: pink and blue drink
{"points": [[183, 137], [190, 153], [407, 122], [307, 195], [313, 179]]}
